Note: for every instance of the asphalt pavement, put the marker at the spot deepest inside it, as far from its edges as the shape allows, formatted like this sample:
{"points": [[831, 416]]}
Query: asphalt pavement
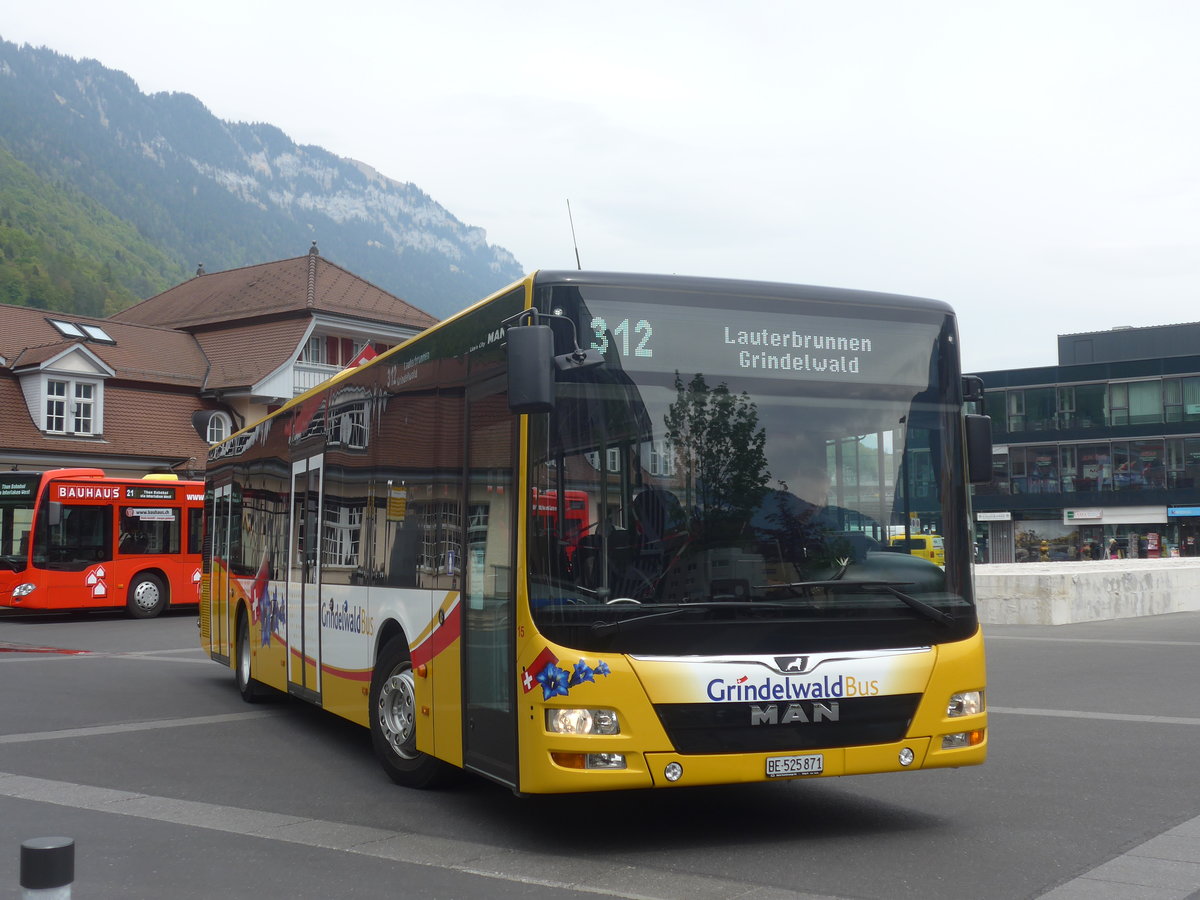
{"points": [[121, 735]]}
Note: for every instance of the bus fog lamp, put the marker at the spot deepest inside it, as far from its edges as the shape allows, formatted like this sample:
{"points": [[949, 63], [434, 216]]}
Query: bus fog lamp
{"points": [[906, 757], [24, 590], [961, 739], [673, 772], [965, 703], [606, 760], [582, 721]]}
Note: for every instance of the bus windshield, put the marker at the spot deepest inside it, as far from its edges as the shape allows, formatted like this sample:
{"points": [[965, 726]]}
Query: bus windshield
{"points": [[742, 463], [17, 495]]}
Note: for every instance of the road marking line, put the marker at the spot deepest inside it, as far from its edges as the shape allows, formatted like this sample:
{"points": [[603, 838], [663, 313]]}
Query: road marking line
{"points": [[483, 860], [124, 728], [1109, 717], [1166, 867], [1071, 640]]}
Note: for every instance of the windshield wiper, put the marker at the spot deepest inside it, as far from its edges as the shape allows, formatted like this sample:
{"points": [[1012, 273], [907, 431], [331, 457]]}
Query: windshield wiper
{"points": [[698, 606], [892, 587]]}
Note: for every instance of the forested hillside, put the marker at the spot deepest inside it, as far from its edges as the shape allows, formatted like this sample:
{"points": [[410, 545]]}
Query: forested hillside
{"points": [[60, 250], [108, 195]]}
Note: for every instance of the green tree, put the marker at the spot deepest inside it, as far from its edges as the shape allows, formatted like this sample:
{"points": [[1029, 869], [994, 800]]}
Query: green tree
{"points": [[719, 448]]}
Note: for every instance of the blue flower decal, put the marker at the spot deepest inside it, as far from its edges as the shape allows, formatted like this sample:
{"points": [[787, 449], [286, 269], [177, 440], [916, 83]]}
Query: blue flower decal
{"points": [[582, 673], [554, 681], [602, 669]]}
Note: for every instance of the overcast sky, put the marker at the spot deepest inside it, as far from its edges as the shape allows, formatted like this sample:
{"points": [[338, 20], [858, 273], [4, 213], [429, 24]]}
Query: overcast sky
{"points": [[1033, 162]]}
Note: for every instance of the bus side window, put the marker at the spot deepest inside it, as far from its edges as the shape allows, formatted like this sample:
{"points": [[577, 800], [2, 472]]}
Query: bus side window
{"points": [[195, 526]]}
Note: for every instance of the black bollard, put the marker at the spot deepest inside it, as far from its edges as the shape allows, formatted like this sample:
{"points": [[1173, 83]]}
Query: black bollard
{"points": [[47, 868]]}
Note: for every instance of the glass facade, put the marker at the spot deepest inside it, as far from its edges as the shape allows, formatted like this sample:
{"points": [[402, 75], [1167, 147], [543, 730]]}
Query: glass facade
{"points": [[1090, 469]]}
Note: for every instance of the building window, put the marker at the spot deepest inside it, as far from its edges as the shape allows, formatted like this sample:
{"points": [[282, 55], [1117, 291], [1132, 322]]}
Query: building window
{"points": [[1039, 409], [72, 407], [662, 458], [56, 406], [1016, 410], [219, 427], [1089, 405], [1066, 407], [340, 534], [348, 425], [331, 351]]}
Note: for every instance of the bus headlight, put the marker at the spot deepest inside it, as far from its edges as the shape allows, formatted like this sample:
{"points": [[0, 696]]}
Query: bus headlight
{"points": [[24, 590], [582, 721], [965, 703]]}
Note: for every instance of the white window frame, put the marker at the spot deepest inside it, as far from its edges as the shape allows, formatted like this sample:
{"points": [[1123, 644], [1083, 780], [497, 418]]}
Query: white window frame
{"points": [[71, 406], [220, 426]]}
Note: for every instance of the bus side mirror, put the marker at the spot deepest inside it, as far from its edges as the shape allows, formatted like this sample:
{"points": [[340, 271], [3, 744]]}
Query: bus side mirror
{"points": [[530, 369], [979, 449], [54, 516]]}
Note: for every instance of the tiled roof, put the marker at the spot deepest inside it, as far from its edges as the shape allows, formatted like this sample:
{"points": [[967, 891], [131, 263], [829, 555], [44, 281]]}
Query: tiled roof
{"points": [[140, 353], [303, 284], [242, 356]]}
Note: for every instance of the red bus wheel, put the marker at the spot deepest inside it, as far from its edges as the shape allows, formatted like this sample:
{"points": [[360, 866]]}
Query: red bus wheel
{"points": [[147, 596]]}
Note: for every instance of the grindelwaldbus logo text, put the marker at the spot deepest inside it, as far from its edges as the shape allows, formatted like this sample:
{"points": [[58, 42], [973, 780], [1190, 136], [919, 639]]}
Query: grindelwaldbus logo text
{"points": [[352, 619], [774, 688]]}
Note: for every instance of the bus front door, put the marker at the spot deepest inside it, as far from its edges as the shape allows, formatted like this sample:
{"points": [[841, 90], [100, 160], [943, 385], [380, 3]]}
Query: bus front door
{"points": [[489, 707], [220, 533], [304, 579]]}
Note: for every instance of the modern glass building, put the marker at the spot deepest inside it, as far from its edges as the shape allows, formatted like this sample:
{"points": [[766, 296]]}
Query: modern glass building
{"points": [[1099, 454]]}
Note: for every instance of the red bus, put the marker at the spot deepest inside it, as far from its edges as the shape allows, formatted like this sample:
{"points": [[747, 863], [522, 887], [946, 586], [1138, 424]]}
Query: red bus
{"points": [[573, 516], [74, 539]]}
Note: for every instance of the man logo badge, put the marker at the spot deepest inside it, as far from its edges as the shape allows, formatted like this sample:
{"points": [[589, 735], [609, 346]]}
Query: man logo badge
{"points": [[815, 714]]}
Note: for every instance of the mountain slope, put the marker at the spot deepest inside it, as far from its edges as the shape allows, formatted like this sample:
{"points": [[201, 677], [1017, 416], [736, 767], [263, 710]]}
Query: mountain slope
{"points": [[59, 250], [230, 194]]}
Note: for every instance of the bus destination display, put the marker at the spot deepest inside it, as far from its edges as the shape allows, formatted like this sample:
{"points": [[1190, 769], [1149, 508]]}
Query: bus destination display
{"points": [[765, 344]]}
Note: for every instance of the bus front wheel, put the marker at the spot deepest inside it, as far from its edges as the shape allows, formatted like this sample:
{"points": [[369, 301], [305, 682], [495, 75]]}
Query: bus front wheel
{"points": [[146, 597], [393, 706]]}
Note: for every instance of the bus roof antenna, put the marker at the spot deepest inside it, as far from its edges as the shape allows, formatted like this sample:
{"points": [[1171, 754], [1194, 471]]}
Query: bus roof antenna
{"points": [[574, 242]]}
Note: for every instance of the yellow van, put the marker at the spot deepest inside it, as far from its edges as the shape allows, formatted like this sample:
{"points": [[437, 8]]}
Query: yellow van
{"points": [[926, 546]]}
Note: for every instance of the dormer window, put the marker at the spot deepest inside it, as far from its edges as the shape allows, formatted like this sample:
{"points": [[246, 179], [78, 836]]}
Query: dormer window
{"points": [[65, 393], [219, 427], [71, 406]]}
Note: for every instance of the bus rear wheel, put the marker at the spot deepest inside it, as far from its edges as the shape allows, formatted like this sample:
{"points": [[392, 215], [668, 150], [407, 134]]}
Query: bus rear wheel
{"points": [[393, 708], [147, 596], [252, 691]]}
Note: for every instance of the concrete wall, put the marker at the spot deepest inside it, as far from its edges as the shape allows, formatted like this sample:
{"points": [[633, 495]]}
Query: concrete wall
{"points": [[1059, 593]]}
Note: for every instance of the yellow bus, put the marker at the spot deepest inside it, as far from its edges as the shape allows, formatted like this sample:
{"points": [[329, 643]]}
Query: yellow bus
{"points": [[609, 531], [926, 546]]}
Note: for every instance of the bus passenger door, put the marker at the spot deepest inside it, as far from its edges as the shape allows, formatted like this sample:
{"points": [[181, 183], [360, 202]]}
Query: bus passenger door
{"points": [[489, 667], [220, 517], [304, 578]]}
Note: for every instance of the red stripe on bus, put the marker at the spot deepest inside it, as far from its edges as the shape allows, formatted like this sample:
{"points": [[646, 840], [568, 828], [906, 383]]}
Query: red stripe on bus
{"points": [[440, 638]]}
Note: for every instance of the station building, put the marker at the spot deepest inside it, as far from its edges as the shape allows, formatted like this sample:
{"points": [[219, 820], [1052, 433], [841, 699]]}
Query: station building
{"points": [[1097, 455], [149, 389]]}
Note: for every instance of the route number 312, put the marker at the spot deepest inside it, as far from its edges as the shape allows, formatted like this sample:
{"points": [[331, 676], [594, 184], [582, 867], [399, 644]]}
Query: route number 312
{"points": [[641, 333]]}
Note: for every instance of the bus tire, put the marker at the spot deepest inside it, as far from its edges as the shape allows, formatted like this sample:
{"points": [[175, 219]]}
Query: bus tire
{"points": [[147, 596], [252, 691], [393, 710]]}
